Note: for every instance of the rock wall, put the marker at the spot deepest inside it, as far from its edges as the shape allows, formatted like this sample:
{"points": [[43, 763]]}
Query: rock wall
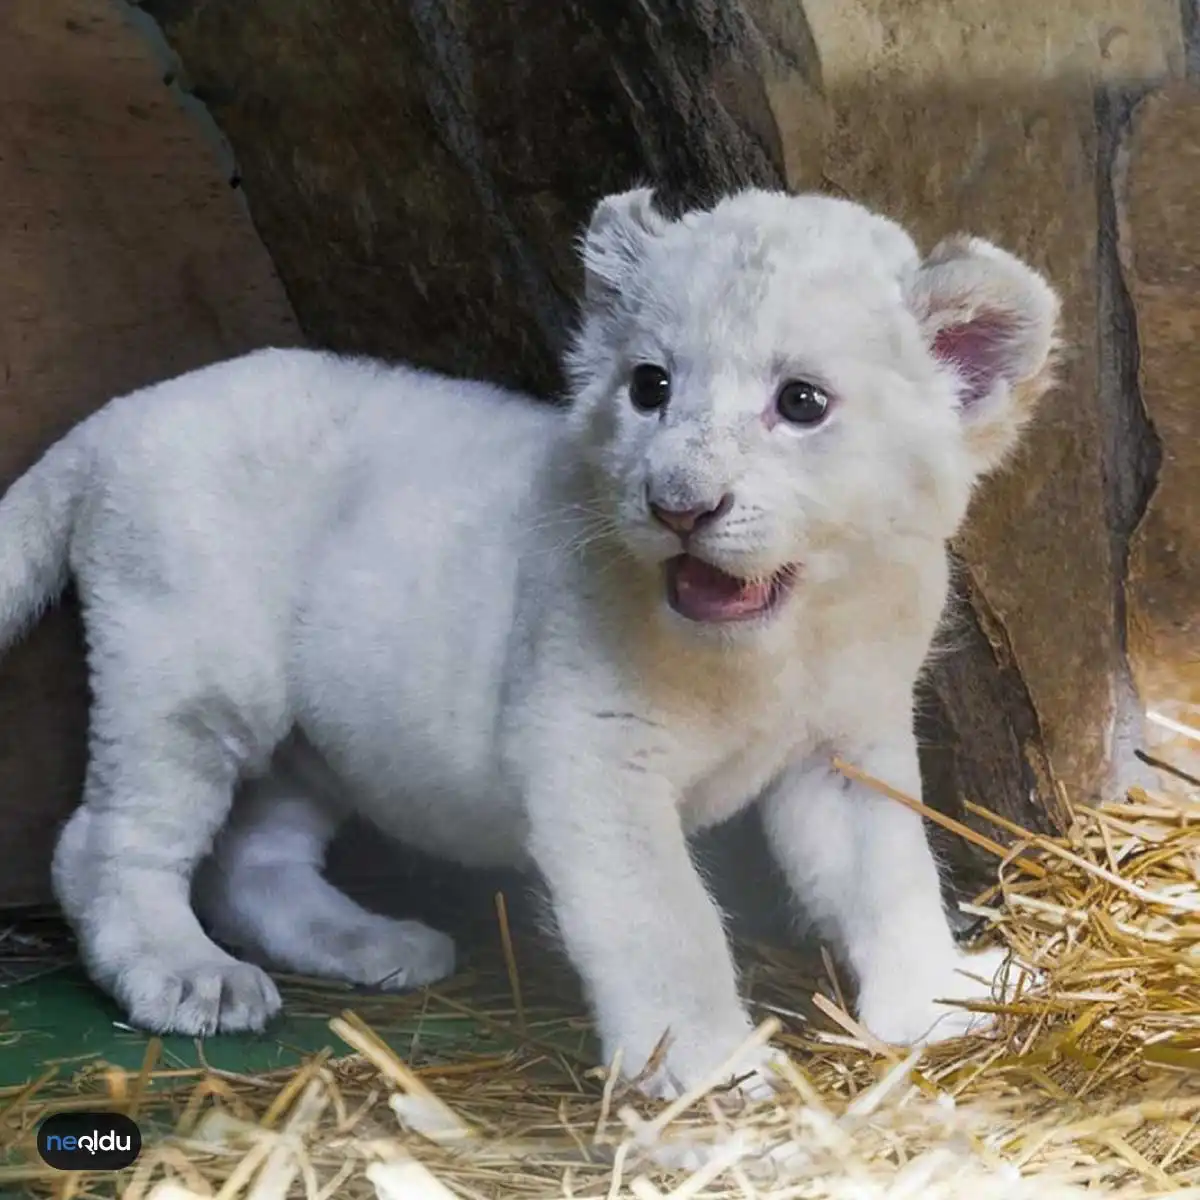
{"points": [[1156, 181], [417, 170]]}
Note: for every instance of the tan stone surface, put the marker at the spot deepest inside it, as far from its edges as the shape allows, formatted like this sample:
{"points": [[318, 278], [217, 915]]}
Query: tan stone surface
{"points": [[979, 42], [1158, 190], [125, 257]]}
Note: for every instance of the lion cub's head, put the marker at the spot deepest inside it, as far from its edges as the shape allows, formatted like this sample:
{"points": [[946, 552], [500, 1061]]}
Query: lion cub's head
{"points": [[779, 390]]}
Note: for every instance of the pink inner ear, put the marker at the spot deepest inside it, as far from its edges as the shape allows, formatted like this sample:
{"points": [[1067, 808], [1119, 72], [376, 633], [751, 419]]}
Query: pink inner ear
{"points": [[979, 352]]}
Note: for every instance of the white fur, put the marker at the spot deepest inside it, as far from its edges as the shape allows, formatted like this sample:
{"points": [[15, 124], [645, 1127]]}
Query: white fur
{"points": [[341, 587]]}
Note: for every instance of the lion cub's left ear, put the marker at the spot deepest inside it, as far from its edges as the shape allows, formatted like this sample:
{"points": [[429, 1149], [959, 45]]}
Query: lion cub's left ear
{"points": [[993, 321]]}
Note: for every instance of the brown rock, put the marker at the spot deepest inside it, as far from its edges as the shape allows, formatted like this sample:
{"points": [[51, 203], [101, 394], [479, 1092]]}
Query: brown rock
{"points": [[125, 258], [1157, 184], [419, 171]]}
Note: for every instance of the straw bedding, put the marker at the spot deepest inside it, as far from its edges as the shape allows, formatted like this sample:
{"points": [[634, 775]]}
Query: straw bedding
{"points": [[1087, 1083]]}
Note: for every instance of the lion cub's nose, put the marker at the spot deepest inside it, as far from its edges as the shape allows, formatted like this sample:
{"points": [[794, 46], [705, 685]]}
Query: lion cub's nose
{"points": [[684, 521]]}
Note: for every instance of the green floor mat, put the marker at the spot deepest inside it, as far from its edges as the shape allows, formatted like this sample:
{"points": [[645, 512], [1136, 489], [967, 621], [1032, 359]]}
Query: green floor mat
{"points": [[53, 1017], [62, 1019]]}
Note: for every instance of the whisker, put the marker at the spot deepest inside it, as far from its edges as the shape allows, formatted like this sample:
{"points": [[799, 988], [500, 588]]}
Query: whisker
{"points": [[559, 519]]}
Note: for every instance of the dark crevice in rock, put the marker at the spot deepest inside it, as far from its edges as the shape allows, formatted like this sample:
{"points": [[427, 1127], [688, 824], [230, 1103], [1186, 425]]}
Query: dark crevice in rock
{"points": [[980, 739], [190, 99], [1133, 452], [1132, 449], [1190, 12]]}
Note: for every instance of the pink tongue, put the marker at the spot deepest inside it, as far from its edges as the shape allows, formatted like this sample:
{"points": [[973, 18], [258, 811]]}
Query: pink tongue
{"points": [[704, 593]]}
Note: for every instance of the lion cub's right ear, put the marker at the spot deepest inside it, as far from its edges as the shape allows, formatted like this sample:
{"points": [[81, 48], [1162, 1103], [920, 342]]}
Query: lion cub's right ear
{"points": [[615, 242]]}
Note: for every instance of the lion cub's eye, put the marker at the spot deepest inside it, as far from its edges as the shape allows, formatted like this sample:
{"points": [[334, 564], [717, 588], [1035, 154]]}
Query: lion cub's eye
{"points": [[649, 387], [802, 403]]}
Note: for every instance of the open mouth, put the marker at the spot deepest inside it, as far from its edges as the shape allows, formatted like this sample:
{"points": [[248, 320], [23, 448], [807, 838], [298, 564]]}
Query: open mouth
{"points": [[701, 592]]}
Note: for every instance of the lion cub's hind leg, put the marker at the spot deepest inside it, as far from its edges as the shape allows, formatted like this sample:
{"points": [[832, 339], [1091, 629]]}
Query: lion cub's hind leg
{"points": [[263, 893], [180, 710]]}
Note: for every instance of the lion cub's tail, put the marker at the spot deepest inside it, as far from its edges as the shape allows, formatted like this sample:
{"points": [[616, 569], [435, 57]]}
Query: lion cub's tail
{"points": [[36, 516]]}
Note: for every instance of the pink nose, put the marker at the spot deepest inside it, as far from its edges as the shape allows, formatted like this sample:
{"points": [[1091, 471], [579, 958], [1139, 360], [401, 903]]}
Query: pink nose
{"points": [[684, 521]]}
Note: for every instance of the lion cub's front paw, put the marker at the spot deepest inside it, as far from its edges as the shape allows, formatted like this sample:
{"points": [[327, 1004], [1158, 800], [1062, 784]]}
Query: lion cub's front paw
{"points": [[758, 1076], [904, 1009], [220, 995], [692, 1063]]}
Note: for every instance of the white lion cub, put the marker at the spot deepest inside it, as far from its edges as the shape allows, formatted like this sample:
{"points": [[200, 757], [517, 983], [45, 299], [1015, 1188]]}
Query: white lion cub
{"points": [[510, 635]]}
